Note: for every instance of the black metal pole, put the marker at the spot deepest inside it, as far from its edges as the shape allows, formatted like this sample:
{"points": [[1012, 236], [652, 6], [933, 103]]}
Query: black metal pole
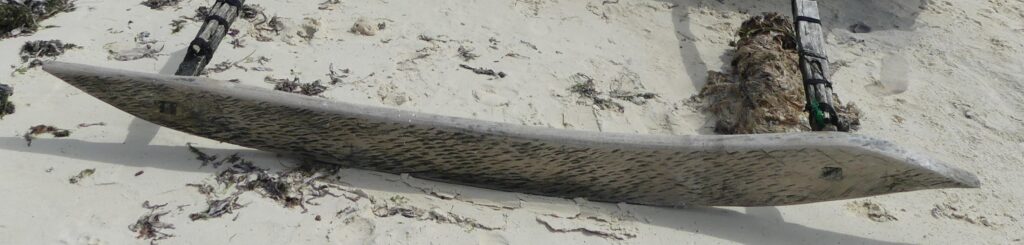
{"points": [[216, 26]]}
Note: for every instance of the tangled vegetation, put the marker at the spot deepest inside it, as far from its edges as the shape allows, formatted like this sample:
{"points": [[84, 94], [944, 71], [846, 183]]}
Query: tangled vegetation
{"points": [[23, 17]]}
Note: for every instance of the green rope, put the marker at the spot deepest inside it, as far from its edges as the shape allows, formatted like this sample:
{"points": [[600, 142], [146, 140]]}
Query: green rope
{"points": [[817, 114]]}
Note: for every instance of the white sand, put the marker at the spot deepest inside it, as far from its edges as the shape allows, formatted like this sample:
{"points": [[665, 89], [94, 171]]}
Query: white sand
{"points": [[957, 63]]}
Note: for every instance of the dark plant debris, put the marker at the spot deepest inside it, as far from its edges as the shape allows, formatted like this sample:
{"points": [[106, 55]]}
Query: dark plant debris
{"points": [[146, 205], [160, 4], [6, 106], [314, 88], [237, 43], [24, 16], [177, 25], [41, 49], [264, 26], [218, 208], [638, 98], [295, 187], [212, 159], [329, 4], [45, 129], [484, 71], [221, 67], [149, 226], [338, 76], [206, 190], [81, 175], [586, 89], [252, 11], [466, 53], [227, 65]]}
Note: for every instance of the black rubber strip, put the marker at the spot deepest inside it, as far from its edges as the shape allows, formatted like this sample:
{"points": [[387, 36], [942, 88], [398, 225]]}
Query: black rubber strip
{"points": [[235, 3], [204, 47], [808, 19], [219, 19], [818, 81]]}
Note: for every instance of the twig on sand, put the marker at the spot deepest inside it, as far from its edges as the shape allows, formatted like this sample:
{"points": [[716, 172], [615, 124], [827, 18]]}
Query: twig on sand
{"points": [[86, 125], [484, 71]]}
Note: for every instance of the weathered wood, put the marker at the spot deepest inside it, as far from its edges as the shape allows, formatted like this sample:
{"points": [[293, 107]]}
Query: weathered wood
{"points": [[814, 66], [661, 170], [212, 32]]}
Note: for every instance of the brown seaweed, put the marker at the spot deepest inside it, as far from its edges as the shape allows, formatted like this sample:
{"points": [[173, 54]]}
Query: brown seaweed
{"points": [[149, 226], [45, 129], [764, 92], [23, 17]]}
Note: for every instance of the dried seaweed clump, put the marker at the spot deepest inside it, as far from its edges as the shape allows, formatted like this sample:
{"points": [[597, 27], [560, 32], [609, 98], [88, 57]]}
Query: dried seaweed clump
{"points": [[6, 106], [217, 208], [314, 88], [45, 129], [40, 49], [23, 16], [586, 89], [251, 11], [177, 25], [764, 93], [160, 4], [149, 225], [293, 188], [638, 98]]}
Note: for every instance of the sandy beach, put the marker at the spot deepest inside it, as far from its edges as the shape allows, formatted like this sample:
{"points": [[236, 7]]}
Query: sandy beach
{"points": [[942, 77]]}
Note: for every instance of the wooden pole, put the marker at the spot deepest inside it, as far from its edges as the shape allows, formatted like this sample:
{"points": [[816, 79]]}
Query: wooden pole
{"points": [[815, 68], [218, 22]]}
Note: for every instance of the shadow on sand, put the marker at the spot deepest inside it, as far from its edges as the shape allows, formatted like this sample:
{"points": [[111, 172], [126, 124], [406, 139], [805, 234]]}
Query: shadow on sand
{"points": [[756, 226]]}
